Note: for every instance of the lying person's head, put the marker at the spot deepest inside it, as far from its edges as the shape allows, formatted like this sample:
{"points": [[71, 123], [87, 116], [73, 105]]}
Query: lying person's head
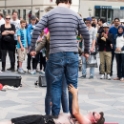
{"points": [[96, 118]]}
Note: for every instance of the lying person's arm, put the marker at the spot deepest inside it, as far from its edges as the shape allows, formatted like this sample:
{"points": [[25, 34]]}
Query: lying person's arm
{"points": [[40, 46], [75, 107]]}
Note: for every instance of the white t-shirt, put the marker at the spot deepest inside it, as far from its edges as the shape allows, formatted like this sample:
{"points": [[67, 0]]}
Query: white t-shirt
{"points": [[17, 26], [2, 21], [120, 43]]}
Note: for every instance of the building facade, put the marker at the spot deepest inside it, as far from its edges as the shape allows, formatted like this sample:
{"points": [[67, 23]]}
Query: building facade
{"points": [[26, 8], [108, 9]]}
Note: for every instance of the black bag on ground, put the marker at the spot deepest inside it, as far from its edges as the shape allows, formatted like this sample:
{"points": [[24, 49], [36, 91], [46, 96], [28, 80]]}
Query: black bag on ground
{"points": [[10, 79], [41, 81]]}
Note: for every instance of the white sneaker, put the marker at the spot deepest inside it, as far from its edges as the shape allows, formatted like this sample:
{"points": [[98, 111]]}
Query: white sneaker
{"points": [[21, 71], [108, 77], [29, 71], [33, 72], [42, 72], [102, 76]]}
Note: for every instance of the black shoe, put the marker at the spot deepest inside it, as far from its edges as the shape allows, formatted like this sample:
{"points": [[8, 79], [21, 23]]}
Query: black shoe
{"points": [[83, 76], [3, 70], [91, 77], [11, 69]]}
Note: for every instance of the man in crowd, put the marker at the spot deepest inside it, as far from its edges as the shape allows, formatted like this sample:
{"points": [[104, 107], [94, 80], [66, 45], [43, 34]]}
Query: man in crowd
{"points": [[16, 22], [101, 21], [93, 33], [2, 21], [63, 59], [113, 32]]}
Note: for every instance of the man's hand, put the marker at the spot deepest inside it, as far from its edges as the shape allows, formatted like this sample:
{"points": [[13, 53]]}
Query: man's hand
{"points": [[22, 48], [72, 89], [118, 49], [86, 55], [33, 53], [92, 49], [111, 46]]}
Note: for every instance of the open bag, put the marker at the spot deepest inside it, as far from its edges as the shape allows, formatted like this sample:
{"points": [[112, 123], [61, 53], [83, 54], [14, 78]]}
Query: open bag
{"points": [[91, 61]]}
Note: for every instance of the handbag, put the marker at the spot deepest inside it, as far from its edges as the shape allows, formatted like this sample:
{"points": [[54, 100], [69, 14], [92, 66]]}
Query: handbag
{"points": [[91, 61], [7, 38]]}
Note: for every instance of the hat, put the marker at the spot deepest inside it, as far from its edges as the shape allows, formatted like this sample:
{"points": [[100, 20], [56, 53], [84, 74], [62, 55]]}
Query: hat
{"points": [[106, 25], [33, 17], [88, 19]]}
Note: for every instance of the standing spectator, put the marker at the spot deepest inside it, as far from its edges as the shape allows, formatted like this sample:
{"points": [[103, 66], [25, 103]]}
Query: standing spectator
{"points": [[30, 29], [113, 30], [15, 21], [21, 45], [99, 32], [94, 23], [119, 51], [42, 53], [93, 33], [63, 57], [7, 42], [2, 21], [105, 45]]}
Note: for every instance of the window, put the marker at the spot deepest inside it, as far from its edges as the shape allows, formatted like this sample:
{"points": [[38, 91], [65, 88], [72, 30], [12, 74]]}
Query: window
{"points": [[24, 14], [19, 13], [9, 12]]}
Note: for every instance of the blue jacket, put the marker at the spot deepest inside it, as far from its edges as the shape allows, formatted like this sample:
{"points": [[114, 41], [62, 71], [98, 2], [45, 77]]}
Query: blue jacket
{"points": [[30, 29]]}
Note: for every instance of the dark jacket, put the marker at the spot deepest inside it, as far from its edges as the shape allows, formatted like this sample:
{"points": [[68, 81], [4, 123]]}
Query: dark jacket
{"points": [[105, 45]]}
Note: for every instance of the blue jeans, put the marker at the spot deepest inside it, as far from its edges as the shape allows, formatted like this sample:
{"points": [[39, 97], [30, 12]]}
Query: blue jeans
{"points": [[84, 67], [58, 65], [64, 100]]}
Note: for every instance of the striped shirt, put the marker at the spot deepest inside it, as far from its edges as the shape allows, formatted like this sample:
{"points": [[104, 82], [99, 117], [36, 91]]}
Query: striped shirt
{"points": [[63, 24]]}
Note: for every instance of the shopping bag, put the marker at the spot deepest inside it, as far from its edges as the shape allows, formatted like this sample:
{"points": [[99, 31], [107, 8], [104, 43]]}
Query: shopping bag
{"points": [[91, 61]]}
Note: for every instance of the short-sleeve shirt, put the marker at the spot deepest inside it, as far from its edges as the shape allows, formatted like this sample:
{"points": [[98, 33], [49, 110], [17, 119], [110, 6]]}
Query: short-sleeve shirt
{"points": [[23, 37]]}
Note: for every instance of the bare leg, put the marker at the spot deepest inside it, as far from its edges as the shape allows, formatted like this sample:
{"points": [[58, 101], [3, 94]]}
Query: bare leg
{"points": [[6, 122]]}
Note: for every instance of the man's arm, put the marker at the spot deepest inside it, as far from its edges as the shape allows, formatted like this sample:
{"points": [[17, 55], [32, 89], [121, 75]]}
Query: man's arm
{"points": [[75, 106], [37, 30], [85, 34]]}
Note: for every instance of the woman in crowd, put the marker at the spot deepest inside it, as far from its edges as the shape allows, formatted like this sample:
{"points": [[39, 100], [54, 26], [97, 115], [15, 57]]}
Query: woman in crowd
{"points": [[91, 118], [8, 43], [119, 51], [105, 45]]}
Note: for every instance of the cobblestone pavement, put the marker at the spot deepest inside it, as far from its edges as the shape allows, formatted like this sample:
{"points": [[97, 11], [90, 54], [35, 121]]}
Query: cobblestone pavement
{"points": [[94, 95]]}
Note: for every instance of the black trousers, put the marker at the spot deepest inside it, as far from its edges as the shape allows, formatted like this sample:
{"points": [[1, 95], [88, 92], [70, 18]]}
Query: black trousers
{"points": [[33, 119], [11, 55], [113, 55], [34, 62], [120, 65], [42, 61]]}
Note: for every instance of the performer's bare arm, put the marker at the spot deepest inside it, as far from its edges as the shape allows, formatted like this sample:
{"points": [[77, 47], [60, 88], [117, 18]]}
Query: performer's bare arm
{"points": [[75, 107]]}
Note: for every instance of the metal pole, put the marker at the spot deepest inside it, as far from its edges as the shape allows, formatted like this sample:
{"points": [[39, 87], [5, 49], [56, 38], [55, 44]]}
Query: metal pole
{"points": [[32, 6], [79, 5], [5, 7]]}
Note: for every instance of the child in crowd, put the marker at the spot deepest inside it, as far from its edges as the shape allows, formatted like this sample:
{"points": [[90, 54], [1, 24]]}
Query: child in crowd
{"points": [[21, 45]]}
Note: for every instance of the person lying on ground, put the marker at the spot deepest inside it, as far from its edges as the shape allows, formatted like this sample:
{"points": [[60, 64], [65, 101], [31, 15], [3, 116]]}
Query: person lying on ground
{"points": [[91, 118]]}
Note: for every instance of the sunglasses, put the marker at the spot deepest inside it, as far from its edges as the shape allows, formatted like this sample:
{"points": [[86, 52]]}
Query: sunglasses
{"points": [[7, 18]]}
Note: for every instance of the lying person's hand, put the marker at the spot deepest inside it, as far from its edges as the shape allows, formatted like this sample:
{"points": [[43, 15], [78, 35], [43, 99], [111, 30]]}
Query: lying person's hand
{"points": [[72, 89], [33, 53]]}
